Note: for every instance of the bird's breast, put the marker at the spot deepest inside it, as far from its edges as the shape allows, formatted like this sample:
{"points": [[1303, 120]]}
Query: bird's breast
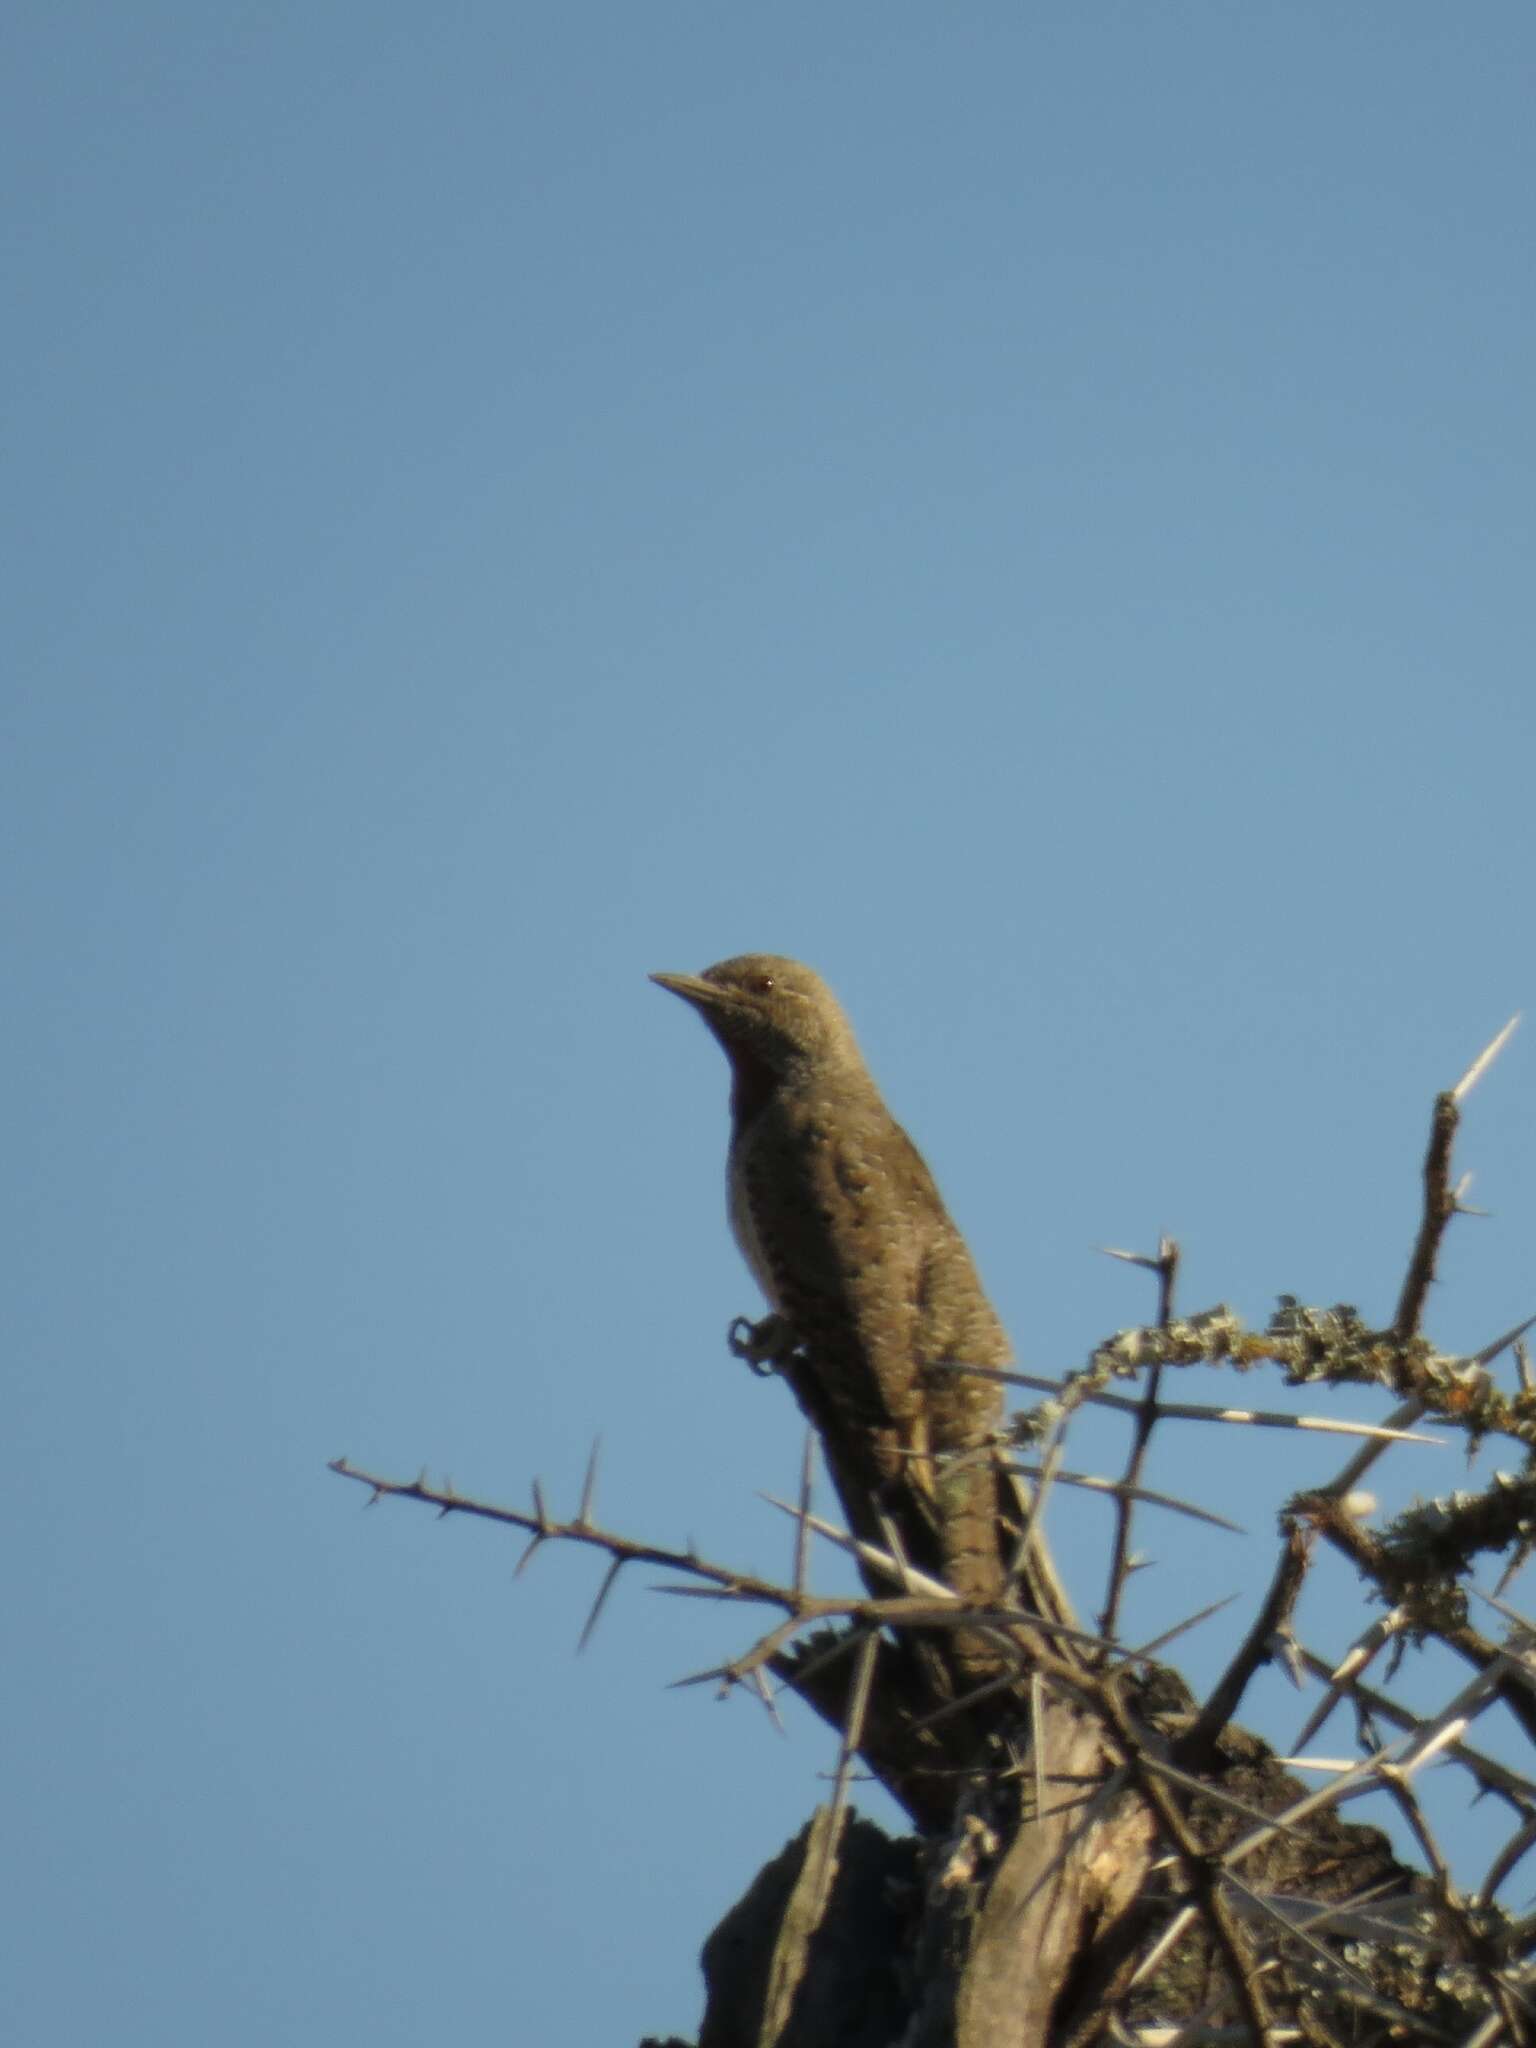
{"points": [[739, 1208]]}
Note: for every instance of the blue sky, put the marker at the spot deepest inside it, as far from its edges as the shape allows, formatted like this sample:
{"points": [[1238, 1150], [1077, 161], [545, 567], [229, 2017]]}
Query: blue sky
{"points": [[1028, 508]]}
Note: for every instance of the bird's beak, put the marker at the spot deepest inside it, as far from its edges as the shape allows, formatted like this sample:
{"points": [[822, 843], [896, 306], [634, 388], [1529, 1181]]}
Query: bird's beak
{"points": [[703, 995]]}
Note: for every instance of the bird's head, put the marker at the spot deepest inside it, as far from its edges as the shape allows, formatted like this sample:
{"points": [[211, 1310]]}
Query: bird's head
{"points": [[769, 1013]]}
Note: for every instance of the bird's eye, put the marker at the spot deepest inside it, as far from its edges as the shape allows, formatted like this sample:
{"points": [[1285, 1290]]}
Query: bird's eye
{"points": [[762, 983]]}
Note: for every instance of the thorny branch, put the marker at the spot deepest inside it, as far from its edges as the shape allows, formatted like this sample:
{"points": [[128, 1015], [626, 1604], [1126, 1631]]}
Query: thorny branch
{"points": [[1439, 1208], [1255, 1649], [1166, 1267], [1405, 1953]]}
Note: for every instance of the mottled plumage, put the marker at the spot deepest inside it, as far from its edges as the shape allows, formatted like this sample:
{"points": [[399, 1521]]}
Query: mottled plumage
{"points": [[840, 1221]]}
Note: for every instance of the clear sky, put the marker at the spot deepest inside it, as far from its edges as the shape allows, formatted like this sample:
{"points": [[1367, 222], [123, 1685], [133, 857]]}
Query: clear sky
{"points": [[1029, 508]]}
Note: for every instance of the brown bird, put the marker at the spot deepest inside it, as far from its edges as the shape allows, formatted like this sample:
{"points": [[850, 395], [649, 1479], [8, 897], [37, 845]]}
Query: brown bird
{"points": [[871, 1285]]}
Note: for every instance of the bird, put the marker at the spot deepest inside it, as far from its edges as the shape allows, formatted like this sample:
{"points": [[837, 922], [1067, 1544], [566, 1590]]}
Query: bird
{"points": [[872, 1289]]}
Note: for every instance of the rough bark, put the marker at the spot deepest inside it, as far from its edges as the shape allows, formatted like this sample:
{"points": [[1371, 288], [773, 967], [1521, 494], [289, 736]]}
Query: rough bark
{"points": [[1018, 1928]]}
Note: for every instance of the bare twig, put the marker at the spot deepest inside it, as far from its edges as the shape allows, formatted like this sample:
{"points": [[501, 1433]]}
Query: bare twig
{"points": [[1438, 1209], [1355, 1660], [1166, 1266], [1196, 1746], [1488, 1773], [1399, 1423], [1514, 1850], [541, 1524], [1371, 1558], [1439, 1196], [1441, 1733]]}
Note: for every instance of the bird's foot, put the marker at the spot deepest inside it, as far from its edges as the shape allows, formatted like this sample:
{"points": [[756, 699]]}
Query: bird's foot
{"points": [[766, 1347]]}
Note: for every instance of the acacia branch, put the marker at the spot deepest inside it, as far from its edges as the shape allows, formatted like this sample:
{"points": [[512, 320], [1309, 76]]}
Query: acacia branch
{"points": [[1439, 1208], [1196, 1747], [1163, 1796], [1166, 1266], [546, 1528], [1445, 1621], [1440, 1202], [1487, 1772]]}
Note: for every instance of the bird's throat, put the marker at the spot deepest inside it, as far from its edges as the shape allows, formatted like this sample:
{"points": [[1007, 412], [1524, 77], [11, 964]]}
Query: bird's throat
{"points": [[752, 1083]]}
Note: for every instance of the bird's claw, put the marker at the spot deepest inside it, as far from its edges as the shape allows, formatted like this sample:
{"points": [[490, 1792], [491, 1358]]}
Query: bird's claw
{"points": [[764, 1347]]}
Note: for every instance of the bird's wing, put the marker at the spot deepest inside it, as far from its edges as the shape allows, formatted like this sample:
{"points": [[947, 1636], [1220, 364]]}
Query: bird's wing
{"points": [[837, 1233]]}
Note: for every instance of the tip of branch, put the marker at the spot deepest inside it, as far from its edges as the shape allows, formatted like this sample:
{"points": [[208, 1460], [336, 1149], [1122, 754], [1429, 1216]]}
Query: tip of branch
{"points": [[1484, 1061]]}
